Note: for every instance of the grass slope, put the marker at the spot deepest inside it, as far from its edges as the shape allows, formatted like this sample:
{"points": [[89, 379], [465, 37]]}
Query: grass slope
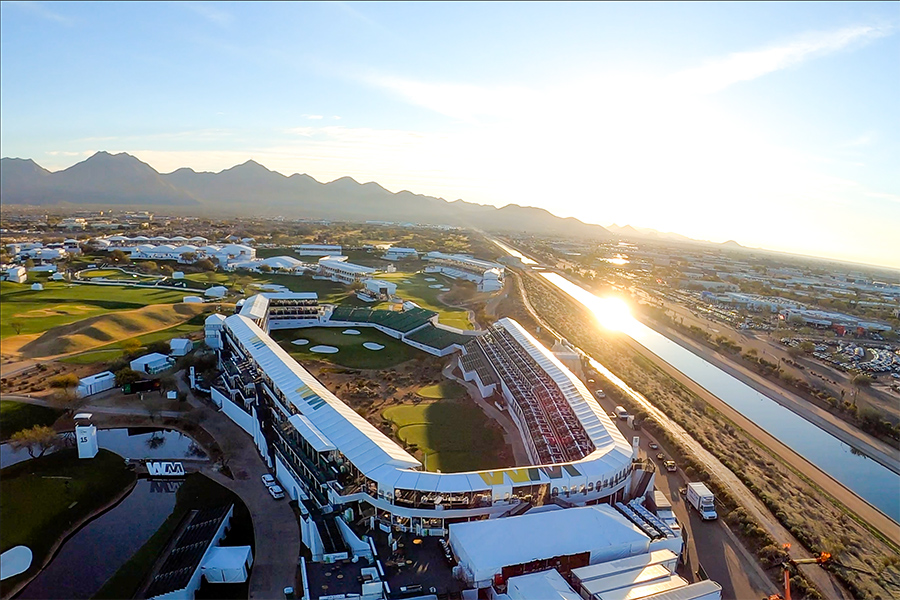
{"points": [[101, 330], [352, 354], [16, 416], [43, 498], [453, 435], [445, 390], [61, 303], [418, 290]]}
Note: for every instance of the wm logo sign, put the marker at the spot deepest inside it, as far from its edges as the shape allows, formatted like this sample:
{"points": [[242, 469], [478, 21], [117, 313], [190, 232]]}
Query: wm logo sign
{"points": [[165, 469]]}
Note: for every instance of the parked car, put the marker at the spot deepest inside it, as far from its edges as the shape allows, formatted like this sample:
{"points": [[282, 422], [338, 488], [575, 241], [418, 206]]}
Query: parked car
{"points": [[660, 456], [671, 467], [276, 491], [268, 480], [654, 446]]}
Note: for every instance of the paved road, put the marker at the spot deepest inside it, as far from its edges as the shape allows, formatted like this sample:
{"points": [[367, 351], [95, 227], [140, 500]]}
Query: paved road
{"points": [[826, 584], [275, 527]]}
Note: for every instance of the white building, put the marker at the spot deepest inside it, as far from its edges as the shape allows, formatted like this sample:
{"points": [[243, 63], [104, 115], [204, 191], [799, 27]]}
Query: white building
{"points": [[339, 270], [16, 274], [377, 289], [486, 274], [593, 534], [180, 346], [212, 329], [95, 384], [151, 363], [318, 250], [217, 291], [395, 253]]}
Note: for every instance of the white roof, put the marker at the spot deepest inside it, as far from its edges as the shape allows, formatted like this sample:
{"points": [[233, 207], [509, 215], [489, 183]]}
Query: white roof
{"points": [[186, 248], [311, 434], [702, 590], [95, 378], [318, 247], [628, 579], [215, 319], [339, 265], [148, 359], [673, 582], [488, 546], [255, 307], [364, 445], [596, 423], [623, 565], [179, 238], [279, 262], [466, 260], [180, 343], [546, 585], [226, 557]]}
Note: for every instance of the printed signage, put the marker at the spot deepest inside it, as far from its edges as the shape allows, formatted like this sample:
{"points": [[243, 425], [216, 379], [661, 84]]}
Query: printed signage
{"points": [[165, 469], [165, 487]]}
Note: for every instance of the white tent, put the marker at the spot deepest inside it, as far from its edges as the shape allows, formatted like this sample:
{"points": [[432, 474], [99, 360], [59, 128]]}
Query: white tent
{"points": [[227, 564], [151, 363], [217, 291], [180, 346]]}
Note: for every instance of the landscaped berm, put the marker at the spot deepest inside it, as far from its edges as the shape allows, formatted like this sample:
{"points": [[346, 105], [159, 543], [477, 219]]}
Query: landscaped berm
{"points": [[42, 499], [455, 436]]}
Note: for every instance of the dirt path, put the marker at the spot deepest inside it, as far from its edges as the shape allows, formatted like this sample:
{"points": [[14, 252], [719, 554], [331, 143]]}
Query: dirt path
{"points": [[826, 584], [870, 446]]}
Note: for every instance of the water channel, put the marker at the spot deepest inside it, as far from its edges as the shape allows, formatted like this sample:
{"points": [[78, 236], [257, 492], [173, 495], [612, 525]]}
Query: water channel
{"points": [[96, 551], [870, 480]]}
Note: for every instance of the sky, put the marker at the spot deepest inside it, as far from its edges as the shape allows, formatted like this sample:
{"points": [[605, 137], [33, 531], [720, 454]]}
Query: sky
{"points": [[772, 124]]}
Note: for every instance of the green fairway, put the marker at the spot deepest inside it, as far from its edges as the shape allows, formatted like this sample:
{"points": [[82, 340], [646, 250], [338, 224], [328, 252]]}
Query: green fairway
{"points": [[16, 416], [351, 353], [445, 390], [418, 290], [60, 303], [453, 435], [113, 351], [117, 274], [43, 498]]}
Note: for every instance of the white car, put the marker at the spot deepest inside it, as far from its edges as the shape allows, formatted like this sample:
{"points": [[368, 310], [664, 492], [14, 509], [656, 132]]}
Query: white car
{"points": [[276, 491], [268, 480]]}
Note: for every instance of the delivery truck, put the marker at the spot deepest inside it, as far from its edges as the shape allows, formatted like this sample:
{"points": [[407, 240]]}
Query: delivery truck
{"points": [[699, 496]]}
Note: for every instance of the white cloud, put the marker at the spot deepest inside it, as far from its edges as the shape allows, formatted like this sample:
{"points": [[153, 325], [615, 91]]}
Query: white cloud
{"points": [[40, 10], [718, 74], [212, 14]]}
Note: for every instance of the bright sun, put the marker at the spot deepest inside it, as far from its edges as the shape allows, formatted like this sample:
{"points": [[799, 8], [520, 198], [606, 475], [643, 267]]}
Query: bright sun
{"points": [[613, 313]]}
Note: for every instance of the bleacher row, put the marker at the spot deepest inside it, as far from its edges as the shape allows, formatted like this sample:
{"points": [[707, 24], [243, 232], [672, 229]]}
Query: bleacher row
{"points": [[555, 432], [474, 360], [438, 338], [403, 322]]}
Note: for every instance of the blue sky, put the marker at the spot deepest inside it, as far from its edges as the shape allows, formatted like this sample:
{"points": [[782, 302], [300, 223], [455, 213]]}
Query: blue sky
{"points": [[772, 124]]}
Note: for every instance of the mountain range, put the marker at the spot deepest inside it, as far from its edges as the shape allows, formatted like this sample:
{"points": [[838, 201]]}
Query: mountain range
{"points": [[250, 189]]}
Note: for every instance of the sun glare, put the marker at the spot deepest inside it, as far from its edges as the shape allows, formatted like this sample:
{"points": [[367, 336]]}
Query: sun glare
{"points": [[613, 313]]}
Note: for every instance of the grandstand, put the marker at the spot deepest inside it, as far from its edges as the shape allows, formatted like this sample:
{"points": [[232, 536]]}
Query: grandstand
{"points": [[401, 322], [539, 406], [437, 337]]}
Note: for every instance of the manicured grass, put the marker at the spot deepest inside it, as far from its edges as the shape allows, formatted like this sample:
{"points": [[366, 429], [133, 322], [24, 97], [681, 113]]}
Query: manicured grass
{"points": [[16, 416], [43, 498], [197, 492], [116, 274], [452, 434], [418, 291], [93, 357], [352, 354], [60, 303], [103, 330], [445, 390]]}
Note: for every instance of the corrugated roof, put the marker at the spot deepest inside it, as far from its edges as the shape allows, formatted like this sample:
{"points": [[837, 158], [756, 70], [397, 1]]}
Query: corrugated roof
{"points": [[358, 440]]}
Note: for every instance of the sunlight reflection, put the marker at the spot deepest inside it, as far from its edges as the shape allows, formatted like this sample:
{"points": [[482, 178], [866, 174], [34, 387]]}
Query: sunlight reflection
{"points": [[611, 313]]}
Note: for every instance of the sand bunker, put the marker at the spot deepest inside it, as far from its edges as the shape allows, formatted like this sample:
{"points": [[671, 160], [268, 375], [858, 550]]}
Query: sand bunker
{"points": [[300, 342], [430, 279], [436, 286], [350, 332], [445, 289], [372, 346], [324, 349]]}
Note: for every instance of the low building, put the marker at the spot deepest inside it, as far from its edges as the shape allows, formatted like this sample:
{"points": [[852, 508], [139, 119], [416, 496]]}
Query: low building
{"points": [[95, 384], [492, 551], [180, 346], [151, 363], [487, 275], [16, 274], [377, 289], [318, 250], [339, 270], [395, 253], [212, 330], [37, 287], [218, 291]]}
